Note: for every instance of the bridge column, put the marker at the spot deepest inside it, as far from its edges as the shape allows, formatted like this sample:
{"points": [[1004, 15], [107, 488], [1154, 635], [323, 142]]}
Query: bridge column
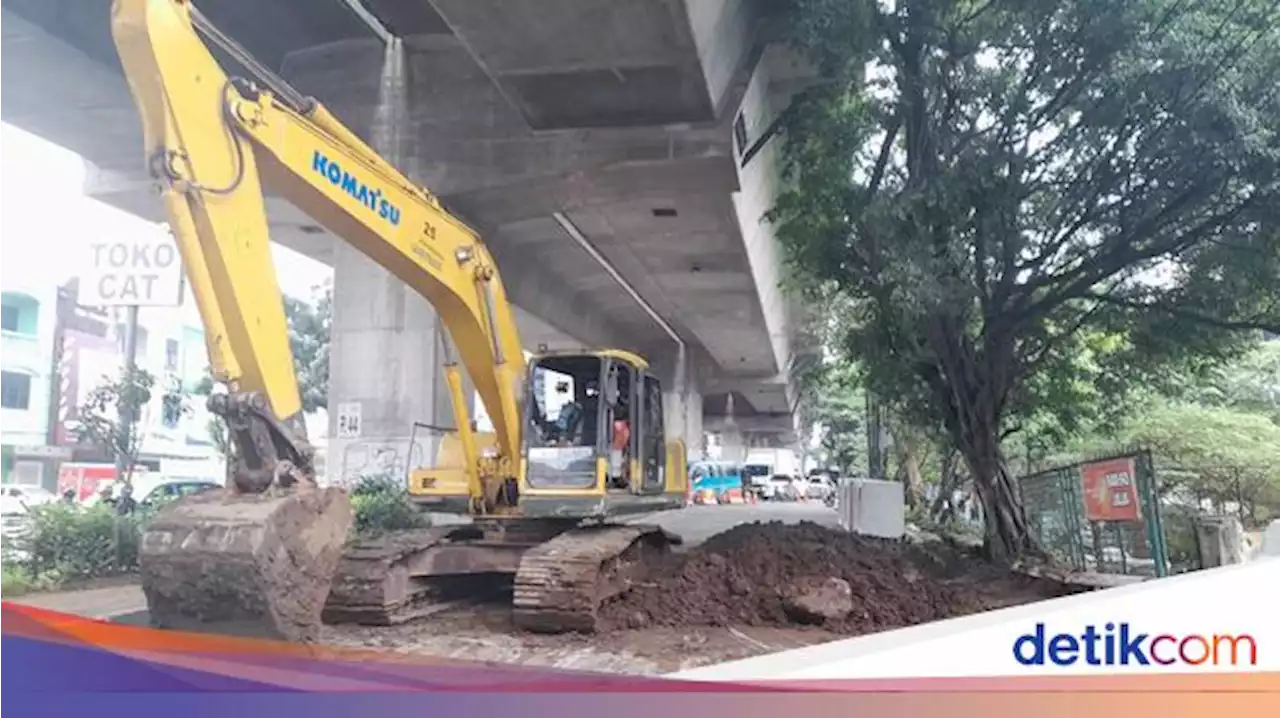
{"points": [[386, 348], [682, 406], [384, 369]]}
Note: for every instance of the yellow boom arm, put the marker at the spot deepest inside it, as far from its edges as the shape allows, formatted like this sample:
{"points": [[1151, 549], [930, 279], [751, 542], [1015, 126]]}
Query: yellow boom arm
{"points": [[213, 144]]}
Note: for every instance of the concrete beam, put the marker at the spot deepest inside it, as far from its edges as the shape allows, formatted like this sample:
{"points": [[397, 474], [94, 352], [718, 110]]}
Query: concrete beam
{"points": [[758, 424]]}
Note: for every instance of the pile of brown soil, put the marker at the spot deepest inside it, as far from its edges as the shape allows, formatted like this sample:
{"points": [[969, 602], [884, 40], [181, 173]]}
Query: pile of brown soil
{"points": [[753, 574]]}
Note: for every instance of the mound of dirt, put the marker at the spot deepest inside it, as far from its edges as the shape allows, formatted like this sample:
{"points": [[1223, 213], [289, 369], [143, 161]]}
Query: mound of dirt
{"points": [[779, 574]]}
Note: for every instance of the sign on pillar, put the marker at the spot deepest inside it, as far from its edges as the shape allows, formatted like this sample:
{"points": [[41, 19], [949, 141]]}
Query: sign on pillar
{"points": [[143, 272], [349, 420]]}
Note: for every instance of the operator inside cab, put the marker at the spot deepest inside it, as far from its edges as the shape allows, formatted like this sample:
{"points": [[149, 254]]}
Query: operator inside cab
{"points": [[569, 422], [620, 446]]}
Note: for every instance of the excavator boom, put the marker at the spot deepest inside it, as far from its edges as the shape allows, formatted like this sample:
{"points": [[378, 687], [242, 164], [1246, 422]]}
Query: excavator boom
{"points": [[259, 556]]}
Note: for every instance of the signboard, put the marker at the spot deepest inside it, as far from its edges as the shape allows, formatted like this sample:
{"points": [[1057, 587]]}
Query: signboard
{"points": [[84, 479], [1110, 490], [143, 272], [88, 479], [349, 420]]}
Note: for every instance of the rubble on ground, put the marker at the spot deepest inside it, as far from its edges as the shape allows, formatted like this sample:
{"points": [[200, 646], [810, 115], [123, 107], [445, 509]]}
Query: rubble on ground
{"points": [[777, 574]]}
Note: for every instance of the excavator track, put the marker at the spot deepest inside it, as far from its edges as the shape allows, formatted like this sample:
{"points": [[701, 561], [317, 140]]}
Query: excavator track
{"points": [[562, 583], [372, 585]]}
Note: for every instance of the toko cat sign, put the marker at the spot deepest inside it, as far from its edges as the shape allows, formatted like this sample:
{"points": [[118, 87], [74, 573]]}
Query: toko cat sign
{"points": [[145, 272]]}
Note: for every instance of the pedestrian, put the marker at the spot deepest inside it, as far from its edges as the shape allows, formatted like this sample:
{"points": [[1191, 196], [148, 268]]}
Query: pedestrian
{"points": [[126, 505]]}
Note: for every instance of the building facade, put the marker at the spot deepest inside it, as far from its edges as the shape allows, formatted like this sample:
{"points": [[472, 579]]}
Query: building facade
{"points": [[27, 336], [169, 345], [56, 353]]}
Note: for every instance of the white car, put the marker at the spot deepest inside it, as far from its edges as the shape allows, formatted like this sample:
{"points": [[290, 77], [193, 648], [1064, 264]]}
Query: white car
{"points": [[16, 497]]}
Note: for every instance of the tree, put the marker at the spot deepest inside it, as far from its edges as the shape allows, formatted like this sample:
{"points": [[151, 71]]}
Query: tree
{"points": [[1212, 453], [839, 410], [309, 326], [988, 183], [109, 416], [1250, 384], [215, 425]]}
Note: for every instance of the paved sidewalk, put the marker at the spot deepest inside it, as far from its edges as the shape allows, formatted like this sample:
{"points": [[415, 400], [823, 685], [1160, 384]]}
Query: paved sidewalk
{"points": [[91, 602]]}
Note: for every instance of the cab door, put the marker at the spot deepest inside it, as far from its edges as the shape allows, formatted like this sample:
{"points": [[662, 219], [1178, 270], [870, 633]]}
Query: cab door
{"points": [[652, 436]]}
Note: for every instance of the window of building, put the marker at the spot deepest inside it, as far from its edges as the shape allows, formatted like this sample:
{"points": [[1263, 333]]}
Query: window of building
{"points": [[10, 318], [170, 354], [20, 312], [139, 341], [740, 133], [27, 473], [15, 390]]}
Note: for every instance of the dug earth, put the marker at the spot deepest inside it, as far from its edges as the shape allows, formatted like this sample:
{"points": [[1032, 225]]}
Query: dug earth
{"points": [[782, 575], [754, 589]]}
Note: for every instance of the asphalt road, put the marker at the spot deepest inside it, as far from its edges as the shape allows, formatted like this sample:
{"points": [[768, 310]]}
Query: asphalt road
{"points": [[694, 524]]}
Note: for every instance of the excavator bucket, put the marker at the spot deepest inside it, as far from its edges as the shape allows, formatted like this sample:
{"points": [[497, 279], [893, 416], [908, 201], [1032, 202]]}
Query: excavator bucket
{"points": [[245, 564]]}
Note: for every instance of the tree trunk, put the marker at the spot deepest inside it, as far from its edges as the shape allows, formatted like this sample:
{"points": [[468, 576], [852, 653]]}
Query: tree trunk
{"points": [[972, 386], [909, 468], [1008, 533], [948, 479]]}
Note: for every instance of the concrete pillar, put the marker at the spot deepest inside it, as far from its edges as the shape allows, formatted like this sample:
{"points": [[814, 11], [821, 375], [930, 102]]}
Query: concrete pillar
{"points": [[385, 369], [682, 407], [386, 353], [733, 445]]}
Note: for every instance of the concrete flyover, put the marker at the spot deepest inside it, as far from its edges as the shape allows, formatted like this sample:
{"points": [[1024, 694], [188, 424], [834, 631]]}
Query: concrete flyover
{"points": [[610, 152]]}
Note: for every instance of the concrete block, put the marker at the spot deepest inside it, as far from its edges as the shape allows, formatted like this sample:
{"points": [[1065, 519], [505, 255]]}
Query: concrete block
{"points": [[1221, 540], [870, 507], [1271, 540]]}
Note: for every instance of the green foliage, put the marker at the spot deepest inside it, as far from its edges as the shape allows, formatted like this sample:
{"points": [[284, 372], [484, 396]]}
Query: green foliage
{"points": [[1215, 453], [64, 542], [309, 326], [1250, 384], [840, 408], [215, 427], [16, 580], [100, 420], [382, 504], [990, 188]]}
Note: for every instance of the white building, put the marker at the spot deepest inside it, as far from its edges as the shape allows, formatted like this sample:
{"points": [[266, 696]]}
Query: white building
{"points": [[26, 368]]}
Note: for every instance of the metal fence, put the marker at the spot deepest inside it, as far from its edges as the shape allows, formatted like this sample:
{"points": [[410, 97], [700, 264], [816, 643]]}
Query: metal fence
{"points": [[1105, 515]]}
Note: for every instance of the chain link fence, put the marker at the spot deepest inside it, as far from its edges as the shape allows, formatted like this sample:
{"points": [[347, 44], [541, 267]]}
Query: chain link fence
{"points": [[1106, 515]]}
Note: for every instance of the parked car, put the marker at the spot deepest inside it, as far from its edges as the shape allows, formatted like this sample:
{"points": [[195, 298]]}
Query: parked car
{"points": [[148, 490], [17, 495], [13, 521], [785, 488], [821, 487]]}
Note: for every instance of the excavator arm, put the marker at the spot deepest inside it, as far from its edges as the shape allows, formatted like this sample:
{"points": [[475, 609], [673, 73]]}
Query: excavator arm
{"points": [[214, 143]]}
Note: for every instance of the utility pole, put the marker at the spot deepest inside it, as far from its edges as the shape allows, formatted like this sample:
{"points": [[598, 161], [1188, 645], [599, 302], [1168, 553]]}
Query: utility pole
{"points": [[63, 305], [875, 438], [127, 414]]}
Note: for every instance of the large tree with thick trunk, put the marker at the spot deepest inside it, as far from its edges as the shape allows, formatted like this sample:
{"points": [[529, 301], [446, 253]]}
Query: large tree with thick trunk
{"points": [[988, 186]]}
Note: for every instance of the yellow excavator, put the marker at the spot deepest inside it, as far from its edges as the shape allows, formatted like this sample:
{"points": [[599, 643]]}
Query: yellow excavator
{"points": [[270, 553]]}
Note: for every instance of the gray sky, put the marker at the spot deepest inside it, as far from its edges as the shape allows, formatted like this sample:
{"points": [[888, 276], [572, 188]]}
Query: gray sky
{"points": [[47, 224]]}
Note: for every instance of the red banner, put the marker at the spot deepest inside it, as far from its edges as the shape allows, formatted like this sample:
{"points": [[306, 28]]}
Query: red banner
{"points": [[1110, 490], [84, 479]]}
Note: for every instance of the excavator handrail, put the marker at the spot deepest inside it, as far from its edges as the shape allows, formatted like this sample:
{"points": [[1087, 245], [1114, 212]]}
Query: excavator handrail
{"points": [[214, 143]]}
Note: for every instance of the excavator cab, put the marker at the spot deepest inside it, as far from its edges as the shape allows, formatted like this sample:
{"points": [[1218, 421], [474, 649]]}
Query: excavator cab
{"points": [[592, 426], [594, 445]]}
